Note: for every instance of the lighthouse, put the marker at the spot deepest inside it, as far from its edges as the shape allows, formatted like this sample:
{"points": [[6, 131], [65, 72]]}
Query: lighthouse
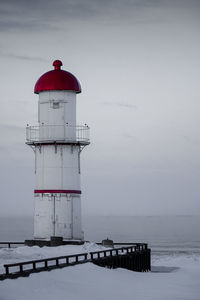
{"points": [[57, 142]]}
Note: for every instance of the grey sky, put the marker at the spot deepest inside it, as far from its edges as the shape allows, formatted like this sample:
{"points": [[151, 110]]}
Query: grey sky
{"points": [[138, 63]]}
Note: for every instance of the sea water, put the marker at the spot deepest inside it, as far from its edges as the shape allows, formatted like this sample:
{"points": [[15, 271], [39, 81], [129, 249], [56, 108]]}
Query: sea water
{"points": [[166, 235]]}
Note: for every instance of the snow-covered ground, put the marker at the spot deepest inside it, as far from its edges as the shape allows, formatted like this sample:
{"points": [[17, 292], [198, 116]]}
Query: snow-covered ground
{"points": [[24, 253], [172, 278]]}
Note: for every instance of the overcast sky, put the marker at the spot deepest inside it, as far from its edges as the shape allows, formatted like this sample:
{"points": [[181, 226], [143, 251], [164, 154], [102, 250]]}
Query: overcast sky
{"points": [[139, 66]]}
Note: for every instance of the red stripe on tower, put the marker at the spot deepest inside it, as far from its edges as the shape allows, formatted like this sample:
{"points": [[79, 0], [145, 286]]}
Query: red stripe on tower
{"points": [[57, 191]]}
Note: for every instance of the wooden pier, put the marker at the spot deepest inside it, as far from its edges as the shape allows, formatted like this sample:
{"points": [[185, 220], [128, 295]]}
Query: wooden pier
{"points": [[136, 257]]}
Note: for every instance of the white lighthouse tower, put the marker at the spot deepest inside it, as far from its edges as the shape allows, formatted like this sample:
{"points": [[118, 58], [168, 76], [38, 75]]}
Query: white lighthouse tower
{"points": [[57, 142]]}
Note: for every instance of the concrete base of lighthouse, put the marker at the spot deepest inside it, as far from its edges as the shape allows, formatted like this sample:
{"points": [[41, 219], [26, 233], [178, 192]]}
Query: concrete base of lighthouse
{"points": [[57, 215], [54, 241]]}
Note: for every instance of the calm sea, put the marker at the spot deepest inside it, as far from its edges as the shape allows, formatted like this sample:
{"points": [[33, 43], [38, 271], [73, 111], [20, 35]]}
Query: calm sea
{"points": [[164, 234]]}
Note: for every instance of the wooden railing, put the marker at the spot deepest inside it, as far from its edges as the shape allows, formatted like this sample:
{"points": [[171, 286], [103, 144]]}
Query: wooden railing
{"points": [[43, 264], [9, 244], [135, 257], [117, 251], [135, 260]]}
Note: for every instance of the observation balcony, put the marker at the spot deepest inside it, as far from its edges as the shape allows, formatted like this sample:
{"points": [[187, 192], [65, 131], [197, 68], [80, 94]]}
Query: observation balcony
{"points": [[65, 134]]}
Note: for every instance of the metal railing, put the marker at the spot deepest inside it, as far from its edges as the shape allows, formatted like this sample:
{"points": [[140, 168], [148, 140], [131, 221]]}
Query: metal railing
{"points": [[60, 133]]}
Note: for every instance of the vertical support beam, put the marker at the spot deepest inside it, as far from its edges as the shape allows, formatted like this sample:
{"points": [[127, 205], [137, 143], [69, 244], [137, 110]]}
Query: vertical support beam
{"points": [[79, 160], [34, 266], [7, 269], [21, 268]]}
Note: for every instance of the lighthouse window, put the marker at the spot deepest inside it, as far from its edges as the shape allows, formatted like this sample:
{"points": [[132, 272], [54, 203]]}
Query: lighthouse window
{"points": [[56, 105]]}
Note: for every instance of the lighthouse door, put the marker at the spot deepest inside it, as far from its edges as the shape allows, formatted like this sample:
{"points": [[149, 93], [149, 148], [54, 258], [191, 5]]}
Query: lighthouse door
{"points": [[63, 216]]}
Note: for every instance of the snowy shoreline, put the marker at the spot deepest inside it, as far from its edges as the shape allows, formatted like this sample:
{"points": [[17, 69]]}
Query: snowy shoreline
{"points": [[173, 277]]}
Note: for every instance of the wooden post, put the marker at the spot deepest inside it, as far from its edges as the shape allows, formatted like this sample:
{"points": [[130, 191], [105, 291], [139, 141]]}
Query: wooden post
{"points": [[7, 269], [21, 268], [46, 264], [34, 266]]}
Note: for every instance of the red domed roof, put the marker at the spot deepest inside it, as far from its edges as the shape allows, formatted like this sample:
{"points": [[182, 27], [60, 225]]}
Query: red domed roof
{"points": [[57, 80]]}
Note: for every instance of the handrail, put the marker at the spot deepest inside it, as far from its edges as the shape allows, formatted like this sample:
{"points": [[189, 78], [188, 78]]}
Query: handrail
{"points": [[98, 243], [45, 261], [11, 243], [133, 248], [136, 248], [64, 133]]}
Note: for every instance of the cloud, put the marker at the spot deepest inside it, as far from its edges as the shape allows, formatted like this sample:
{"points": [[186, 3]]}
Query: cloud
{"points": [[130, 136], [10, 127], [3, 149], [26, 15], [25, 24], [121, 104], [16, 14], [191, 140], [21, 57], [42, 15]]}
